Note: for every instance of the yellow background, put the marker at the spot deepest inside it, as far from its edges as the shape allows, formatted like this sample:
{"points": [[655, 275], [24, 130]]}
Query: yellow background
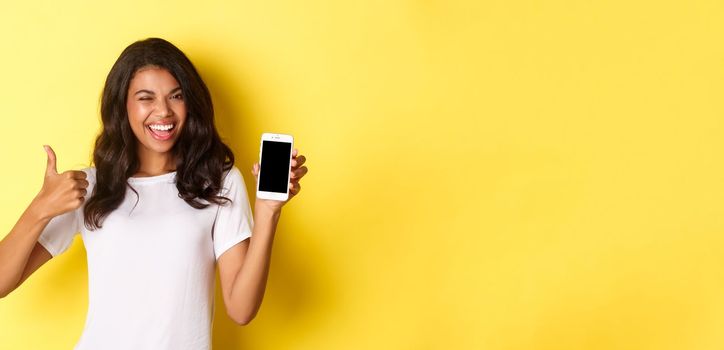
{"points": [[483, 174]]}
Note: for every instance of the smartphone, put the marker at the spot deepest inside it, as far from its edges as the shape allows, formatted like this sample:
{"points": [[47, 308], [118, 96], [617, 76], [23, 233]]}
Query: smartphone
{"points": [[275, 164]]}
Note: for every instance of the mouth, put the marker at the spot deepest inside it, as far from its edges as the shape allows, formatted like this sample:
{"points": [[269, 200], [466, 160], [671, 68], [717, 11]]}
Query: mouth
{"points": [[162, 132]]}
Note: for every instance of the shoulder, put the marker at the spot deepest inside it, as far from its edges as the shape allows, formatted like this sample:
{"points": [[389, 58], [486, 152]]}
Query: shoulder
{"points": [[232, 180], [232, 175]]}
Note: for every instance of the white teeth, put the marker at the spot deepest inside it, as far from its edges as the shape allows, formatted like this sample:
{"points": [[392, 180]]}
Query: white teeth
{"points": [[159, 127]]}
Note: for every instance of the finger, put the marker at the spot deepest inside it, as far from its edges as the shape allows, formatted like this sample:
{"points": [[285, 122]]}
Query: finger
{"points": [[295, 187], [50, 168], [255, 169], [298, 161], [76, 174], [298, 173], [294, 153], [81, 184]]}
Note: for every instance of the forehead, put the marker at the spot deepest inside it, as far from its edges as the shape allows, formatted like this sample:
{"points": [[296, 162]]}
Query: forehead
{"points": [[152, 77]]}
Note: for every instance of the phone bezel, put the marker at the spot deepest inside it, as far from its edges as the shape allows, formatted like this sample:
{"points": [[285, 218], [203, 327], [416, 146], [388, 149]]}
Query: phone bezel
{"points": [[276, 138]]}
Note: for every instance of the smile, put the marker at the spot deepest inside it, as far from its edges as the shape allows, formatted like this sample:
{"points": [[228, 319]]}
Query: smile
{"points": [[162, 132]]}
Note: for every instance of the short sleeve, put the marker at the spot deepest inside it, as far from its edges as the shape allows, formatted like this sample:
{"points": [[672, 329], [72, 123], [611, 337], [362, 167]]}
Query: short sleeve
{"points": [[234, 221], [58, 234]]}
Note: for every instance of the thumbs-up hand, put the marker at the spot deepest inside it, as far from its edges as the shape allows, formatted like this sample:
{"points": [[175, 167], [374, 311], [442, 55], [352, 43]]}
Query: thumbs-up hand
{"points": [[62, 192]]}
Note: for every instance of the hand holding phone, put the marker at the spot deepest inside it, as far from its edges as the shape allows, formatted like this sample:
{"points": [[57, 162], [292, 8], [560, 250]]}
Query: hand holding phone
{"points": [[296, 171], [275, 157]]}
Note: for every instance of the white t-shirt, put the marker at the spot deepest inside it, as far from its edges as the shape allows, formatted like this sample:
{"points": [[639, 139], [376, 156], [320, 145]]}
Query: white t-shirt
{"points": [[151, 269]]}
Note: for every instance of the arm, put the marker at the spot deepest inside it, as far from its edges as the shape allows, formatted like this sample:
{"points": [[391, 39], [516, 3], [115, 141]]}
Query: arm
{"points": [[20, 254], [17, 246], [247, 283], [244, 268]]}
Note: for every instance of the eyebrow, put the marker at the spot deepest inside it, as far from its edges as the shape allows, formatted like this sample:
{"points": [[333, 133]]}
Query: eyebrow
{"points": [[178, 88]]}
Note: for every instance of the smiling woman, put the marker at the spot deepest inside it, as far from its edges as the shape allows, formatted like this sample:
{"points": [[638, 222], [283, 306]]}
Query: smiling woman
{"points": [[156, 108], [166, 107], [162, 207], [155, 77]]}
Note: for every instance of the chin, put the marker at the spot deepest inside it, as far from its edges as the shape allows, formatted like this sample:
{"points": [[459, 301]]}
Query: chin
{"points": [[162, 149], [155, 147]]}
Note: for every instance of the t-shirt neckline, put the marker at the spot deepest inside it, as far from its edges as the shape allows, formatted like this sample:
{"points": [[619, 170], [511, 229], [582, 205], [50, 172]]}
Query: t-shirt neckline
{"points": [[149, 179]]}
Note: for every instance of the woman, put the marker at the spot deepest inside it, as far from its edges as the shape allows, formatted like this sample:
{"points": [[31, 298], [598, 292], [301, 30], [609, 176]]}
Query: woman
{"points": [[163, 205]]}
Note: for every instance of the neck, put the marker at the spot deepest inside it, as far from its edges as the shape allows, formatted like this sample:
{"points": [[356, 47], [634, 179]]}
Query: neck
{"points": [[152, 163]]}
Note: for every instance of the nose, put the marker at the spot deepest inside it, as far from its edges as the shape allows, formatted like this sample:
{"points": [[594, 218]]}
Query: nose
{"points": [[163, 109]]}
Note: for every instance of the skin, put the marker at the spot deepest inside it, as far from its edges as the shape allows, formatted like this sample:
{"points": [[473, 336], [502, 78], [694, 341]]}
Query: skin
{"points": [[20, 252], [153, 97], [243, 269]]}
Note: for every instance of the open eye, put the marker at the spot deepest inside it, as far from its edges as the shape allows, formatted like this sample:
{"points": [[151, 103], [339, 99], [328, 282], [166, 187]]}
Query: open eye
{"points": [[178, 96]]}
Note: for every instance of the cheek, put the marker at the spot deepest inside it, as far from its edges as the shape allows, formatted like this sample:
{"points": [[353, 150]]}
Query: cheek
{"points": [[180, 112], [136, 116], [134, 109]]}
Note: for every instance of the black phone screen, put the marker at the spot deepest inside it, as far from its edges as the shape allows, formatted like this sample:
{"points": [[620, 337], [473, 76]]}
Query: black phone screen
{"points": [[274, 173]]}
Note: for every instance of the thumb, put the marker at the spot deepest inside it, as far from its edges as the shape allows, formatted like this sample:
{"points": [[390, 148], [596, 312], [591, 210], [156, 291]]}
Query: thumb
{"points": [[255, 170], [51, 168]]}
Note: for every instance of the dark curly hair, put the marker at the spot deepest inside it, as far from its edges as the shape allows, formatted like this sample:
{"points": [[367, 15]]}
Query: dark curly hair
{"points": [[201, 156]]}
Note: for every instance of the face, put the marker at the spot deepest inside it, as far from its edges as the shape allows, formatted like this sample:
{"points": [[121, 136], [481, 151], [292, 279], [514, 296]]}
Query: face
{"points": [[156, 109]]}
